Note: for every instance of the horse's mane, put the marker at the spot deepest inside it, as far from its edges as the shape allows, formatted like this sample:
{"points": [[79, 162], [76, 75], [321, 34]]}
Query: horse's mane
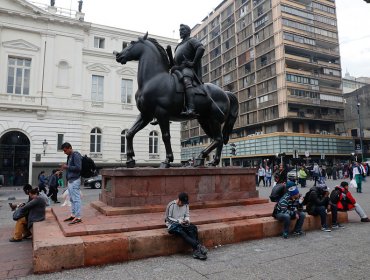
{"points": [[161, 50]]}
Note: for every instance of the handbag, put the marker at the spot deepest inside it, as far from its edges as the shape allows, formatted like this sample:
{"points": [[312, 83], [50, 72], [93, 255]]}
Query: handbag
{"points": [[353, 183], [19, 213]]}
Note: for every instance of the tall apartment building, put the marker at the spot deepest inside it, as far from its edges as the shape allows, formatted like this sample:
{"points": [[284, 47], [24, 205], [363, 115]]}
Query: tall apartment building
{"points": [[281, 58]]}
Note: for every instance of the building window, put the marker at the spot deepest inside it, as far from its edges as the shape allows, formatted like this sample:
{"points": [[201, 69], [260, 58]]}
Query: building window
{"points": [[60, 141], [19, 75], [97, 88], [153, 142], [123, 142], [95, 140], [126, 91], [99, 43]]}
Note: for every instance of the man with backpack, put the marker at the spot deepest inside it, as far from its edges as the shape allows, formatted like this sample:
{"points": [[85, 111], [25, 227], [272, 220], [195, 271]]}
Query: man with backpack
{"points": [[343, 200], [287, 209], [73, 168], [318, 204], [279, 190]]}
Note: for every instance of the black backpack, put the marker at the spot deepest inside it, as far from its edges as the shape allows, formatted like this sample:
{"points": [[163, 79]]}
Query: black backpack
{"points": [[88, 167], [335, 195], [306, 197]]}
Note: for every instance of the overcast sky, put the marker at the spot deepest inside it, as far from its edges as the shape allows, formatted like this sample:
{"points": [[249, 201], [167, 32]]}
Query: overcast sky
{"points": [[163, 17]]}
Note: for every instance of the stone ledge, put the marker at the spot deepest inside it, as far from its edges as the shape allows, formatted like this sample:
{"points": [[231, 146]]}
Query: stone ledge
{"points": [[112, 211], [52, 251]]}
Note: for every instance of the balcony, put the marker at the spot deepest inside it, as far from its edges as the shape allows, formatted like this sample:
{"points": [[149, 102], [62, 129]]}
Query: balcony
{"points": [[23, 102]]}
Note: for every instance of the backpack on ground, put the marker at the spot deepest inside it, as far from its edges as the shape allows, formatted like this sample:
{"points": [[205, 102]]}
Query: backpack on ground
{"points": [[335, 196], [88, 167], [306, 197]]}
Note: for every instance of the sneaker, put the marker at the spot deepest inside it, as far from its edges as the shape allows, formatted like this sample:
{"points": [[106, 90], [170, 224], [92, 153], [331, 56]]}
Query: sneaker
{"points": [[202, 249], [365, 220], [285, 235], [326, 229], [336, 226], [14, 240], [198, 255], [298, 232]]}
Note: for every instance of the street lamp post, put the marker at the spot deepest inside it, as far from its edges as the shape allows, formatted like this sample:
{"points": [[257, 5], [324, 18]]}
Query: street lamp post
{"points": [[360, 124]]}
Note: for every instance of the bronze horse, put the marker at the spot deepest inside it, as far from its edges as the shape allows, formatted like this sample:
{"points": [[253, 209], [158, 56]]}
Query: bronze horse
{"points": [[158, 98]]}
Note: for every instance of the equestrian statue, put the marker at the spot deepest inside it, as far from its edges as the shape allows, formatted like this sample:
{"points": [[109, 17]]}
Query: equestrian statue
{"points": [[170, 89]]}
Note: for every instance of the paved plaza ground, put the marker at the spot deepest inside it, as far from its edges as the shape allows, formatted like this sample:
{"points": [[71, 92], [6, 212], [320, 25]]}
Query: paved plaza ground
{"points": [[340, 254]]}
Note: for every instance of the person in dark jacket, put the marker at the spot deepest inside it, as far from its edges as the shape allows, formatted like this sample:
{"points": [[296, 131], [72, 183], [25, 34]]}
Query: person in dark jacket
{"points": [[42, 181], [280, 175], [287, 210], [319, 204], [53, 185], [33, 211]]}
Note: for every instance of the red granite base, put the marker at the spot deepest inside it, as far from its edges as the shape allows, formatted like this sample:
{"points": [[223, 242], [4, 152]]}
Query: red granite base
{"points": [[102, 239], [133, 187]]}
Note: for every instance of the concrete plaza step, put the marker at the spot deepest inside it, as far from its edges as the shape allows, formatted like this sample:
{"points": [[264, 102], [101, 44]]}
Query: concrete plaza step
{"points": [[103, 239]]}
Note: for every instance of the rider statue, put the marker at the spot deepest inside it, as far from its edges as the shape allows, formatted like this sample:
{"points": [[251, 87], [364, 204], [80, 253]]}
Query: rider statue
{"points": [[188, 58]]}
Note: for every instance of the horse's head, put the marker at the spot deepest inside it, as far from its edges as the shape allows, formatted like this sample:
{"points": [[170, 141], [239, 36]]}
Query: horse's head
{"points": [[131, 52]]}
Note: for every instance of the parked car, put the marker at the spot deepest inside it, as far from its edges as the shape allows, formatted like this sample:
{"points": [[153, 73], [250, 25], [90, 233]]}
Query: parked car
{"points": [[292, 175], [93, 182]]}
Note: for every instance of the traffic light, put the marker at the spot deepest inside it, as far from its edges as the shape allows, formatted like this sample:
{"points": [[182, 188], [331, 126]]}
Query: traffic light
{"points": [[233, 149]]}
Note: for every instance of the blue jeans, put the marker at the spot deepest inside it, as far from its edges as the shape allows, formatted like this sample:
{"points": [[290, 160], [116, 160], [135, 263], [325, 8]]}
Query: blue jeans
{"points": [[75, 197], [189, 234], [321, 211], [285, 218]]}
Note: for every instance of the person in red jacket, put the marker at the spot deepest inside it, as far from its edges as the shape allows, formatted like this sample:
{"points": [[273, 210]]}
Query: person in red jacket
{"points": [[342, 198]]}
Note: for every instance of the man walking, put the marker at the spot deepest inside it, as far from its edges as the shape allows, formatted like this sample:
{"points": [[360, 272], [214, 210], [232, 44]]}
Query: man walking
{"points": [[73, 169]]}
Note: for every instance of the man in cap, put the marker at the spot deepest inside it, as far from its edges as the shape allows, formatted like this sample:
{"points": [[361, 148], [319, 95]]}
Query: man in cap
{"points": [[177, 220], [318, 204], [286, 210]]}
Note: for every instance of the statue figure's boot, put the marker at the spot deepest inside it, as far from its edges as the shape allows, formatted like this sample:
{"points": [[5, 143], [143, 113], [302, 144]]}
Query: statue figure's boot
{"points": [[190, 112]]}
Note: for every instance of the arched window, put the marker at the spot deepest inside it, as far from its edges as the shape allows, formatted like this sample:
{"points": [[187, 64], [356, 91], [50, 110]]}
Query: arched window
{"points": [[123, 141], [95, 140], [153, 142]]}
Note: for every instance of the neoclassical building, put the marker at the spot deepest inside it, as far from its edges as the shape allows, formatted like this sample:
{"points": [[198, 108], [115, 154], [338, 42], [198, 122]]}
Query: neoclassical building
{"points": [[59, 81]]}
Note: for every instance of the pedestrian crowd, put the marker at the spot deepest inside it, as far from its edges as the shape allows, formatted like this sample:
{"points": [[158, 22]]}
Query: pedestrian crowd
{"points": [[319, 200]]}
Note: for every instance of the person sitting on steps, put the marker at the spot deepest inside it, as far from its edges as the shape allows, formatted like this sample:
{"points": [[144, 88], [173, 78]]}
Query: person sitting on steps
{"points": [[177, 220], [343, 200]]}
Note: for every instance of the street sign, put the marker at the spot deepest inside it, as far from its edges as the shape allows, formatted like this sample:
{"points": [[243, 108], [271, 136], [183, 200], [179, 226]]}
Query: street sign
{"points": [[307, 153]]}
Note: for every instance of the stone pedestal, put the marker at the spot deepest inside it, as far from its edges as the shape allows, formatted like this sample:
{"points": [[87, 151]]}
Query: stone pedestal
{"points": [[134, 187]]}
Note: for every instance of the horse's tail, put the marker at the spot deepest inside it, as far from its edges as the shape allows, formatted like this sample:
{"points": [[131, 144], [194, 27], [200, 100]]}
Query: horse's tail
{"points": [[231, 118]]}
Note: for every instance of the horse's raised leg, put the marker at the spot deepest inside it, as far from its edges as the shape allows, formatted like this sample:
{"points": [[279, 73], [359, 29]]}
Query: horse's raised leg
{"points": [[166, 137], [139, 124]]}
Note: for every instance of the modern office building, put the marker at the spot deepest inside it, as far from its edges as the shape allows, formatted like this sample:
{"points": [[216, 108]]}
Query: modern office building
{"points": [[357, 119], [281, 58], [59, 81]]}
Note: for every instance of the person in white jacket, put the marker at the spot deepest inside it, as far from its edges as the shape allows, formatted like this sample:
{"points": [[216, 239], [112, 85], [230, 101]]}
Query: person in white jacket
{"points": [[261, 176]]}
